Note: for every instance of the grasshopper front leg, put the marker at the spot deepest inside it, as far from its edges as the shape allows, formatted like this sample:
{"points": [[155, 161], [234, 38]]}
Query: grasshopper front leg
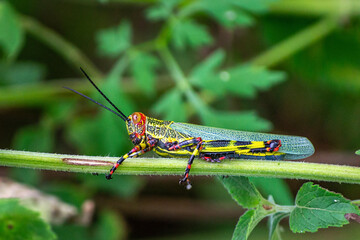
{"points": [[138, 150]]}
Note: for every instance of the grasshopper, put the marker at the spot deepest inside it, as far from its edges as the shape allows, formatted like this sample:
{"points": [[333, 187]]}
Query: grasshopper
{"points": [[172, 139]]}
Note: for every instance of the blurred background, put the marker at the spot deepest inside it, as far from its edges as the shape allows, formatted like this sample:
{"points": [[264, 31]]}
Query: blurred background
{"points": [[289, 67]]}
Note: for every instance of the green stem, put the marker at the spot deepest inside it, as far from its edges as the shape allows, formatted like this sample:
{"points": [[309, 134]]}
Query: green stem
{"points": [[181, 81], [316, 8], [281, 208], [29, 95], [297, 42], [119, 67], [67, 50], [176, 166]]}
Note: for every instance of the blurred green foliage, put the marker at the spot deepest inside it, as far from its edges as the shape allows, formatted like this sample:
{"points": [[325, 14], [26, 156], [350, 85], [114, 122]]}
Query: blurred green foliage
{"points": [[109, 226], [13, 35], [205, 79], [18, 222]]}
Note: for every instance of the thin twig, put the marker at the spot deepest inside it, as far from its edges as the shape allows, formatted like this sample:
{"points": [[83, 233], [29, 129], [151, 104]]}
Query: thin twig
{"points": [[297, 42]]}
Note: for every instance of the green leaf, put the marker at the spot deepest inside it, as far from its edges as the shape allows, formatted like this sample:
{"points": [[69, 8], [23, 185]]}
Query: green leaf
{"points": [[18, 222], [317, 208], [357, 152], [256, 6], [162, 10], [229, 13], [226, 13], [21, 73], [206, 71], [242, 191], [274, 221], [113, 41], [143, 70], [248, 221], [189, 33], [245, 120], [171, 106], [11, 33], [242, 80], [246, 80]]}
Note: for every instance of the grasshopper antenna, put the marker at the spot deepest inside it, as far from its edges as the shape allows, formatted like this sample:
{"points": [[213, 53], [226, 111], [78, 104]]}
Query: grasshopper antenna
{"points": [[122, 117], [118, 110]]}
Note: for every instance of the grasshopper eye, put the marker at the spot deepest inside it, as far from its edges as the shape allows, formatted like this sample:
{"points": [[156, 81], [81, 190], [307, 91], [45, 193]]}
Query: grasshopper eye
{"points": [[136, 118]]}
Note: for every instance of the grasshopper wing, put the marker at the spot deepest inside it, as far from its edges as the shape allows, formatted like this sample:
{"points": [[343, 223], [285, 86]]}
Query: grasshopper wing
{"points": [[293, 146]]}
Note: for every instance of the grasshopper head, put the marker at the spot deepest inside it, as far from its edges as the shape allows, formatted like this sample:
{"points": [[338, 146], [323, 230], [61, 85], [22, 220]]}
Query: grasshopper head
{"points": [[136, 124]]}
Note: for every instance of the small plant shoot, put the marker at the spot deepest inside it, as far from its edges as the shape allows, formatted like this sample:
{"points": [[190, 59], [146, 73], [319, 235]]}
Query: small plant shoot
{"points": [[172, 139], [314, 208]]}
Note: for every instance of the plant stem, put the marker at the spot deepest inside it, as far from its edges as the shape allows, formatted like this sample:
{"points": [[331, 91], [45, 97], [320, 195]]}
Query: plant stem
{"points": [[67, 50], [176, 166], [40, 94], [316, 8], [181, 81], [297, 42]]}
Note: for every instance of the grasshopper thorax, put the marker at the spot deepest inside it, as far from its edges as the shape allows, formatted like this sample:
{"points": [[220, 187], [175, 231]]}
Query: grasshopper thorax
{"points": [[136, 125]]}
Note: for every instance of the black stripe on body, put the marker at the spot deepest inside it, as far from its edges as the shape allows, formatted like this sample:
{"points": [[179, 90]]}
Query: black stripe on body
{"points": [[222, 148], [233, 155], [184, 153]]}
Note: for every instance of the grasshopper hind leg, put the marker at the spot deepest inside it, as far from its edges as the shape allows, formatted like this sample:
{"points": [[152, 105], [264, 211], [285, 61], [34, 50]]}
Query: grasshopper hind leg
{"points": [[195, 153]]}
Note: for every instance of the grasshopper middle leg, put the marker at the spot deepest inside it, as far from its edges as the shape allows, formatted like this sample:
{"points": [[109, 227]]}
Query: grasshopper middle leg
{"points": [[198, 142]]}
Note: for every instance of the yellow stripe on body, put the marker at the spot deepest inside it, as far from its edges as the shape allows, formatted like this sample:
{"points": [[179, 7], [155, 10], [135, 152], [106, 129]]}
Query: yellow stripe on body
{"points": [[248, 153], [232, 147], [168, 153]]}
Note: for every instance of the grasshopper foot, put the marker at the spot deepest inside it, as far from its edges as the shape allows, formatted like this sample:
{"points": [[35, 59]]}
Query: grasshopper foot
{"points": [[188, 184], [108, 176]]}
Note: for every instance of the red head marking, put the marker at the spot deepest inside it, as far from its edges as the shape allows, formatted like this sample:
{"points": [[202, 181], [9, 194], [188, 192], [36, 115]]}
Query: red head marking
{"points": [[138, 118], [137, 124]]}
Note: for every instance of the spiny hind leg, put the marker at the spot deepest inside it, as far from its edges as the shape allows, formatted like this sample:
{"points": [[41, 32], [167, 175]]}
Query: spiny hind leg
{"points": [[173, 146], [195, 153], [268, 146]]}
